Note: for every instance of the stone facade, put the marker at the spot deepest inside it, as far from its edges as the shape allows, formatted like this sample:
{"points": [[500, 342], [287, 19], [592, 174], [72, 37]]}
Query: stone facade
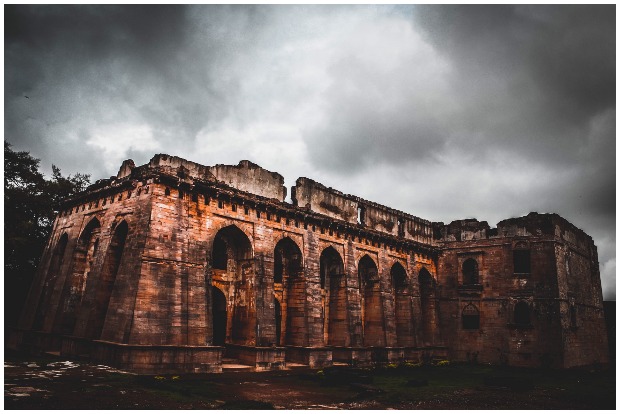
{"points": [[171, 266]]}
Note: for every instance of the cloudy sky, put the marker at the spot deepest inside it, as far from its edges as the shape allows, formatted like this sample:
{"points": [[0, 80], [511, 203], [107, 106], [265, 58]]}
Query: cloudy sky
{"points": [[443, 112]]}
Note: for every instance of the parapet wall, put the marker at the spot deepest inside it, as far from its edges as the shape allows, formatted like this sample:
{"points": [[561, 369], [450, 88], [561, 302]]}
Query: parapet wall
{"points": [[245, 176], [534, 224], [316, 197]]}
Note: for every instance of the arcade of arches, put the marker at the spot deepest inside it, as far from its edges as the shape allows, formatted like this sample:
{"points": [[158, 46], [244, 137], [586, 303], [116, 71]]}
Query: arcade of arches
{"points": [[172, 266], [351, 309]]}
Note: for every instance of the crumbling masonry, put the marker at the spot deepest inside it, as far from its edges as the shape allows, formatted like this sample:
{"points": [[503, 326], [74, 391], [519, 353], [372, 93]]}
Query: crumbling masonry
{"points": [[171, 266]]}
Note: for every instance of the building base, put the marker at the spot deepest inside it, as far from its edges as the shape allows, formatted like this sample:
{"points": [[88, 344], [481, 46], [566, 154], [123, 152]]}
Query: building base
{"points": [[262, 358], [146, 359], [313, 357]]}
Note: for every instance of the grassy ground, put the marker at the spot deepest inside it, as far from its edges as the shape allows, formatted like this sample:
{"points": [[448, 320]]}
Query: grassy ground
{"points": [[45, 383]]}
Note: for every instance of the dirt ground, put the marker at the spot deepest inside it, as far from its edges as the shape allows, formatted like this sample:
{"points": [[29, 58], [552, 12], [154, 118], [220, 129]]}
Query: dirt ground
{"points": [[48, 383]]}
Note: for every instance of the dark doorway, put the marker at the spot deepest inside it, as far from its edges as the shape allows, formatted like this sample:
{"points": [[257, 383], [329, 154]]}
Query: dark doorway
{"points": [[219, 316], [278, 312]]}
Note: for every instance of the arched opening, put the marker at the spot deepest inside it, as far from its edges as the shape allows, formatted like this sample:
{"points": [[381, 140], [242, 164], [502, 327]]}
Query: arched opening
{"points": [[470, 317], [427, 305], [50, 281], [278, 317], [372, 307], [219, 316], [522, 314], [290, 291], [402, 306], [73, 291], [334, 298], [107, 278], [220, 255], [470, 272], [233, 271]]}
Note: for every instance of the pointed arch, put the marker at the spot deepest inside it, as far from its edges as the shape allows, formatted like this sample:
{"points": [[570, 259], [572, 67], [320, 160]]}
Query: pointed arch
{"points": [[470, 317], [470, 272], [232, 268], [427, 285], [333, 284], [106, 280], [402, 306], [372, 306], [290, 289], [219, 314], [83, 258]]}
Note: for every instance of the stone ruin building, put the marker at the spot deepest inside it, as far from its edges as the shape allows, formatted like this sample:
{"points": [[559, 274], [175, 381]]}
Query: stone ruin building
{"points": [[172, 266]]}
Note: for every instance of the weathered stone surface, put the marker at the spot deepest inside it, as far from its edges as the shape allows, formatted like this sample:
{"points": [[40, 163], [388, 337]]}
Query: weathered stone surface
{"points": [[168, 265]]}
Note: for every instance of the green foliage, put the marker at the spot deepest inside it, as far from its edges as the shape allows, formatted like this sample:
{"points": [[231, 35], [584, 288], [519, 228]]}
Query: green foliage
{"points": [[31, 203]]}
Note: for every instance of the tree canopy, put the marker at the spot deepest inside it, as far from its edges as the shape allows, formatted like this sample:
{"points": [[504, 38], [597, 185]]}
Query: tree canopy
{"points": [[31, 202]]}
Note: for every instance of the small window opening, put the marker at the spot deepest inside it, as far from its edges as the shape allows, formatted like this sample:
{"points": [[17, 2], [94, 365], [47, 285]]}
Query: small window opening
{"points": [[522, 314], [257, 214], [181, 194], [103, 203], [305, 226], [522, 262], [220, 204], [234, 207], [401, 227], [246, 210], [470, 317], [167, 192], [288, 222], [146, 189], [322, 230], [278, 218], [296, 223], [195, 197], [470, 272], [361, 215], [313, 228], [268, 216]]}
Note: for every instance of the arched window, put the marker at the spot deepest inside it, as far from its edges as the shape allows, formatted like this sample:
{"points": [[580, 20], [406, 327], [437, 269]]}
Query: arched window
{"points": [[220, 253], [372, 305], [427, 286], [522, 314], [106, 281], [470, 316], [335, 301], [470, 272], [290, 298], [232, 252]]}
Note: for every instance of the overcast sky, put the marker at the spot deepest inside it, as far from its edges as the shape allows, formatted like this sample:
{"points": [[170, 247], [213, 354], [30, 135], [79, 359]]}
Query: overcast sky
{"points": [[446, 112]]}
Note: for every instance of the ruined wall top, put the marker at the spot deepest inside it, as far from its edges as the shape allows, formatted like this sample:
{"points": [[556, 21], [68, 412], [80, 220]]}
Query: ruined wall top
{"points": [[324, 200], [310, 195], [245, 176], [534, 224]]}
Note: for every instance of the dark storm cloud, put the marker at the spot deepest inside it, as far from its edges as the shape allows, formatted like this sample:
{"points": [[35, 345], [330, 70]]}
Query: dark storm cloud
{"points": [[444, 112], [553, 67]]}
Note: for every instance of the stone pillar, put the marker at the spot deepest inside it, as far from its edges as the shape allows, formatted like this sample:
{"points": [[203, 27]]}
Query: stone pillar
{"points": [[353, 296], [314, 311]]}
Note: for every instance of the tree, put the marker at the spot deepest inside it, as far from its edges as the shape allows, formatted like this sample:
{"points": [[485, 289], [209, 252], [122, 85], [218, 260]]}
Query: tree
{"points": [[31, 203]]}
